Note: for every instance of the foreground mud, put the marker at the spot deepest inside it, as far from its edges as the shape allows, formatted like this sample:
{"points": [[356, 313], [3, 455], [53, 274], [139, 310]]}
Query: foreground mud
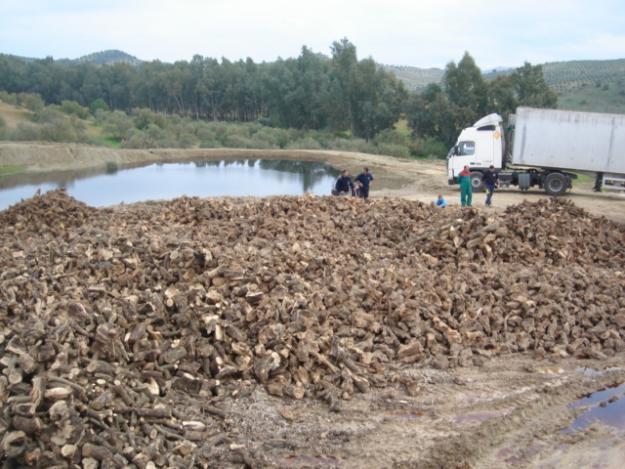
{"points": [[301, 331]]}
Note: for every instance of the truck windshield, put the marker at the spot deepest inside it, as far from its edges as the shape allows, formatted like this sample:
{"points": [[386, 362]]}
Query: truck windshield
{"points": [[466, 148]]}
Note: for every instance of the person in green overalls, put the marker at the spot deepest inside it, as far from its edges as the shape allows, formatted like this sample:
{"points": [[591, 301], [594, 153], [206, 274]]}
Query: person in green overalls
{"points": [[466, 188]]}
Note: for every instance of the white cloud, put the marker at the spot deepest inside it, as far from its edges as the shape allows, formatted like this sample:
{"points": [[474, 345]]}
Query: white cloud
{"points": [[422, 33]]}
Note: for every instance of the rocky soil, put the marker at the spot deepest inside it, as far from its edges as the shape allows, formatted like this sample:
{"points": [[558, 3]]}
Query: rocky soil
{"points": [[128, 335]]}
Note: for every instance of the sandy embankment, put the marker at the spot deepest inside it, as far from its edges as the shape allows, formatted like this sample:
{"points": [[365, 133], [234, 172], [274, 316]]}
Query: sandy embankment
{"points": [[395, 177]]}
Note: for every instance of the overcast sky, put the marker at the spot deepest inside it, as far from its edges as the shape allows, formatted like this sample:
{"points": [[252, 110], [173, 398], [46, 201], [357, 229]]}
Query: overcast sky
{"points": [[424, 33]]}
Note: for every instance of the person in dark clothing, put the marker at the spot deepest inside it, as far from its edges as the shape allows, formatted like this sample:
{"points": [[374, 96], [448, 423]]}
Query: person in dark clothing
{"points": [[344, 184], [363, 180], [490, 178], [598, 182]]}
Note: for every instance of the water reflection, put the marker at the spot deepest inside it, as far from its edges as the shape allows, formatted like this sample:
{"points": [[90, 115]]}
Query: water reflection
{"points": [[248, 177], [606, 406]]}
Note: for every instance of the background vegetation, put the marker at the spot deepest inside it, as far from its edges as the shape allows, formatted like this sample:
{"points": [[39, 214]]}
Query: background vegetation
{"points": [[584, 85], [311, 101]]}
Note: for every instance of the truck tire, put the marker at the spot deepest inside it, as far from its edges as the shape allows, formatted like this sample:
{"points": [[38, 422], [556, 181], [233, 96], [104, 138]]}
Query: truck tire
{"points": [[556, 184], [476, 181]]}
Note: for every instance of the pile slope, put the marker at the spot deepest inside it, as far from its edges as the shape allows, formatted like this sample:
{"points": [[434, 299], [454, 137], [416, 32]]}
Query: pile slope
{"points": [[123, 329]]}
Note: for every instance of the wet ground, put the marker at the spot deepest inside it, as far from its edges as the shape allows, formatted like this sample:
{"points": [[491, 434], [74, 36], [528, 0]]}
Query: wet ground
{"points": [[512, 412], [606, 406]]}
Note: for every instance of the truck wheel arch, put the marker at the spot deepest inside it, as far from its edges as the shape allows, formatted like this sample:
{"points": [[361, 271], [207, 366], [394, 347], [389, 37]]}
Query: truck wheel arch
{"points": [[556, 183]]}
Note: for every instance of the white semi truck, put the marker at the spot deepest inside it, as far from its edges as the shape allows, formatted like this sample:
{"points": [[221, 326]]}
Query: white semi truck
{"points": [[549, 146]]}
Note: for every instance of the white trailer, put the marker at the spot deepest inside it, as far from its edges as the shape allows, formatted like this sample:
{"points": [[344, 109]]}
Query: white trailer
{"points": [[547, 145]]}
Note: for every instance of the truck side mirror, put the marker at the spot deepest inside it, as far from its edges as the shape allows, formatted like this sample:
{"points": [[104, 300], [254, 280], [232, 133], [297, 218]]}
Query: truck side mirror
{"points": [[456, 150]]}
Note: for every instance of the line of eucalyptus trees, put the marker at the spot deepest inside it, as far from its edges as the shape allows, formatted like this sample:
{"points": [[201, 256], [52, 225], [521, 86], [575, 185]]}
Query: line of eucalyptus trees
{"points": [[311, 91], [339, 93]]}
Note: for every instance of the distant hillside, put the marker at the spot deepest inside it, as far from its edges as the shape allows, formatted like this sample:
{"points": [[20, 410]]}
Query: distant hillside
{"points": [[416, 78], [105, 57], [108, 57], [585, 85]]}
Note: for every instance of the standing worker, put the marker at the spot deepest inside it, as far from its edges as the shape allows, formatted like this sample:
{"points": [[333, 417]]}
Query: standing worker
{"points": [[490, 178], [364, 179], [466, 188]]}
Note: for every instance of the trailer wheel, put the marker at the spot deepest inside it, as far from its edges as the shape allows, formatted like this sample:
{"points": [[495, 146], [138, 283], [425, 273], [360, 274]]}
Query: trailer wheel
{"points": [[555, 184], [476, 181]]}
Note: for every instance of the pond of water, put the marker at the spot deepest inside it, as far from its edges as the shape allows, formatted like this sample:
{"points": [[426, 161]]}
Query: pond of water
{"points": [[169, 180]]}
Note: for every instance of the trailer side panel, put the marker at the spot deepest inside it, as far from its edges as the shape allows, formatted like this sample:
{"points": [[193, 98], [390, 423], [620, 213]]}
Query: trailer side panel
{"points": [[572, 140]]}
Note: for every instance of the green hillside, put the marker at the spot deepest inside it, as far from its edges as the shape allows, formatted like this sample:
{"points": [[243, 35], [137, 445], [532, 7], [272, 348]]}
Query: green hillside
{"points": [[565, 76], [588, 85], [585, 85], [416, 78], [105, 57], [108, 57]]}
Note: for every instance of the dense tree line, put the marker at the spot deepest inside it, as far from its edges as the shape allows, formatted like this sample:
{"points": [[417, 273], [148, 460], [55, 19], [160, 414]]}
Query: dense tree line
{"points": [[340, 93], [442, 111], [310, 91]]}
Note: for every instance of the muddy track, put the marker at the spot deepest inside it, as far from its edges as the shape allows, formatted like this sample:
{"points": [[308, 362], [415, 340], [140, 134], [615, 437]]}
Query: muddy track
{"points": [[508, 413], [538, 414]]}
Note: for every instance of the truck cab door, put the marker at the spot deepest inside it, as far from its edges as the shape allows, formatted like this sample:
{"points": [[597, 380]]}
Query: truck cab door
{"points": [[460, 155]]}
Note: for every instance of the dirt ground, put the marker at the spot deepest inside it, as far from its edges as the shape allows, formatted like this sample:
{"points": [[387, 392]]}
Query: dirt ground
{"points": [[395, 177], [511, 412]]}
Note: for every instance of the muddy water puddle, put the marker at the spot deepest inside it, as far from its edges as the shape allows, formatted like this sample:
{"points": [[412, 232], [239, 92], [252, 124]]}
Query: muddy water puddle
{"points": [[606, 406]]}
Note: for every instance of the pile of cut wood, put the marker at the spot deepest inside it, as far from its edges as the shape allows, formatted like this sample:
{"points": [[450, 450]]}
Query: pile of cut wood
{"points": [[122, 330]]}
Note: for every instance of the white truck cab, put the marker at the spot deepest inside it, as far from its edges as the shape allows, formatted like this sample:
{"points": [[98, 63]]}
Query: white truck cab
{"points": [[550, 146], [478, 147]]}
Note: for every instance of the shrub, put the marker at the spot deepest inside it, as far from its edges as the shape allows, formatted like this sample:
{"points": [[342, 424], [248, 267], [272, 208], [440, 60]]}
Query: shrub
{"points": [[392, 136], [240, 141], [62, 131], [8, 98], [209, 144], [355, 144], [98, 105], [32, 102], [73, 108], [186, 140], [138, 139], [117, 124], [394, 149], [431, 147], [205, 133], [24, 132], [144, 117], [305, 143], [49, 115]]}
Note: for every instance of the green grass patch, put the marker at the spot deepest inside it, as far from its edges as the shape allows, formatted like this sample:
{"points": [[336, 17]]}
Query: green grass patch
{"points": [[7, 170], [107, 141], [583, 179]]}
